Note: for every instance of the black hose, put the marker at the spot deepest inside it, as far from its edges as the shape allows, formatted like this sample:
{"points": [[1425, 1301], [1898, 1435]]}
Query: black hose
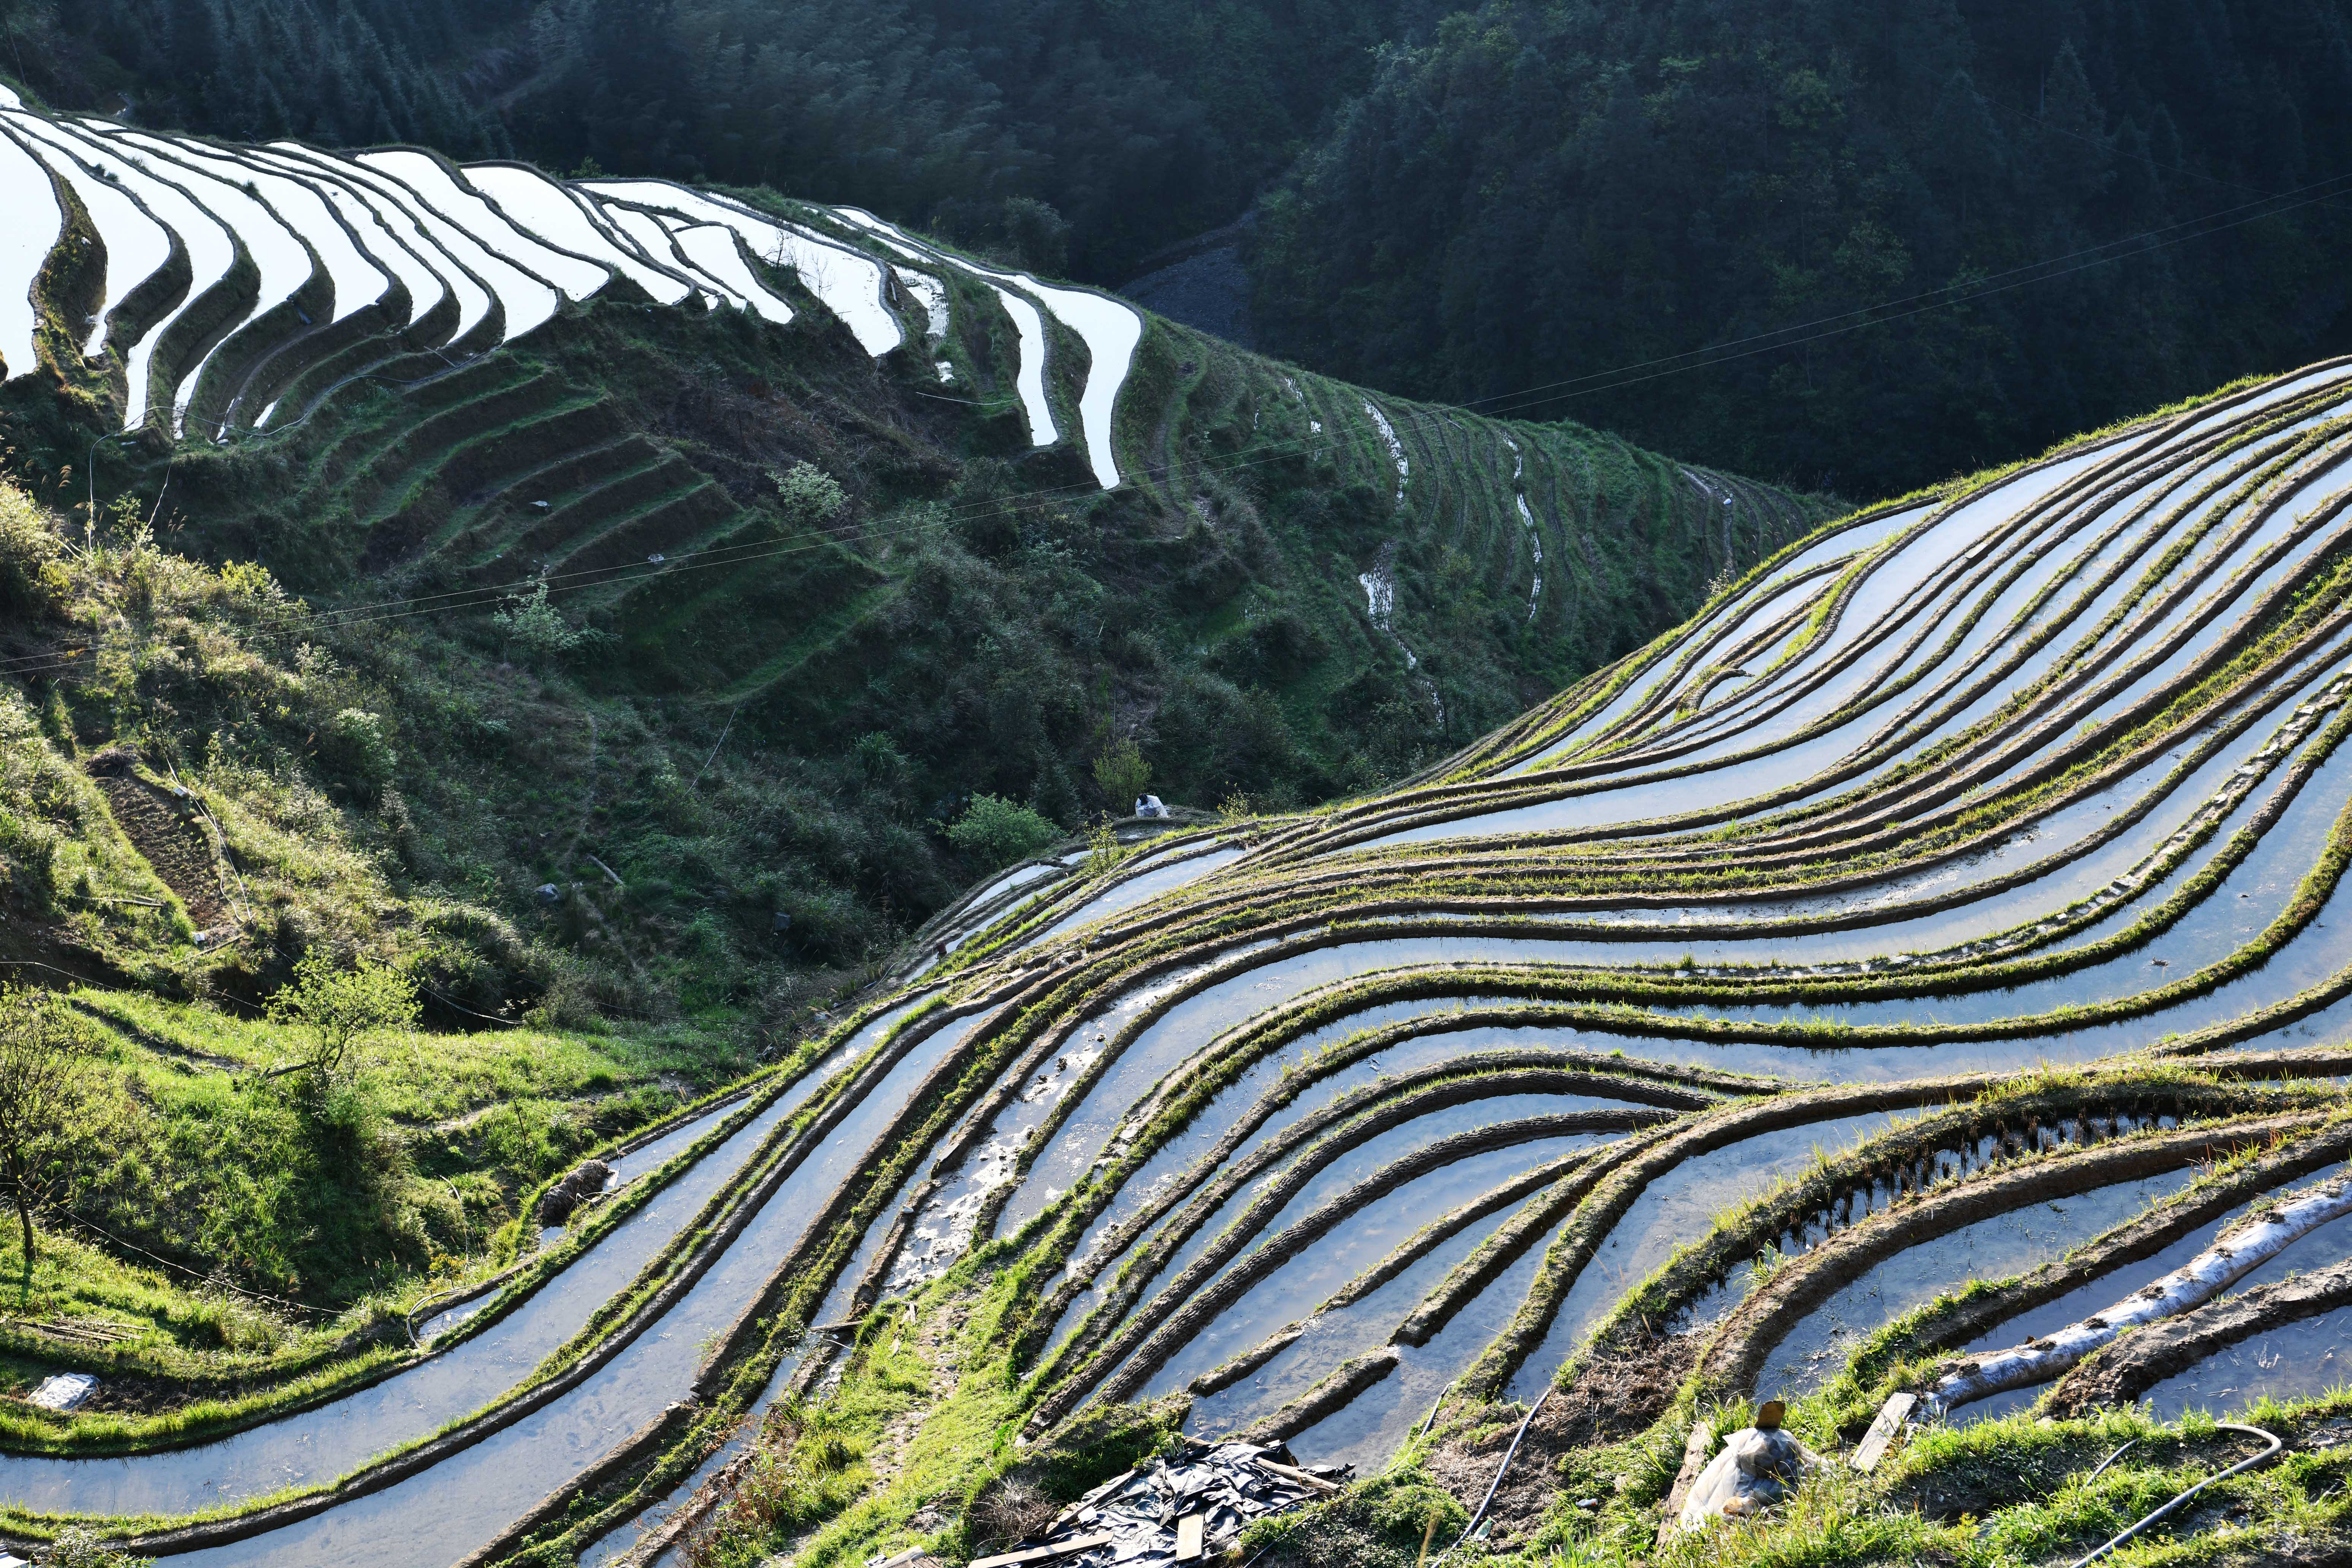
{"points": [[2266, 1455], [2110, 1459], [1440, 1404], [1500, 1471]]}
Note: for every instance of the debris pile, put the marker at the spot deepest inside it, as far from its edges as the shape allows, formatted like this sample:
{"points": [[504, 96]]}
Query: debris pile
{"points": [[585, 1182], [1187, 1508]]}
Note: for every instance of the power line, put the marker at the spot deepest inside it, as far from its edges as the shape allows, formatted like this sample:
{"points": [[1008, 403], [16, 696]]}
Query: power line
{"points": [[1493, 405], [1928, 294], [2143, 243], [72, 1218]]}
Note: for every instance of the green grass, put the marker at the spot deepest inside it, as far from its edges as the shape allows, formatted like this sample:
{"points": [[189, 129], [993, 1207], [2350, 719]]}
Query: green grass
{"points": [[904, 1449], [785, 738], [246, 1228]]}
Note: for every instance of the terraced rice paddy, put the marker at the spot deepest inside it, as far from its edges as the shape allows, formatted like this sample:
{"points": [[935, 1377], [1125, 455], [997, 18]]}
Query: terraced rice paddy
{"points": [[446, 373], [276, 246], [1982, 932], [1952, 900]]}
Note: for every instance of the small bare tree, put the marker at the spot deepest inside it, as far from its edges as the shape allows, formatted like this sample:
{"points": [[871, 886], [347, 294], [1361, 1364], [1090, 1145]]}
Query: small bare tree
{"points": [[42, 1056]]}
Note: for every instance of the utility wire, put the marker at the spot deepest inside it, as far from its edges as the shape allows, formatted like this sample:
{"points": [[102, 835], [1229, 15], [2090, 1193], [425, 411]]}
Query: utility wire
{"points": [[1924, 295], [1491, 407], [2145, 243], [72, 1218]]}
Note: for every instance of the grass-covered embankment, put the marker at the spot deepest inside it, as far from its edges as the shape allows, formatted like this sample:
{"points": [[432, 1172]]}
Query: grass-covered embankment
{"points": [[218, 1243]]}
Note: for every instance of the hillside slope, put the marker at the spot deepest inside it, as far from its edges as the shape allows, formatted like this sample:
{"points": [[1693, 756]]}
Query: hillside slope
{"points": [[1906, 978], [1903, 240], [840, 528]]}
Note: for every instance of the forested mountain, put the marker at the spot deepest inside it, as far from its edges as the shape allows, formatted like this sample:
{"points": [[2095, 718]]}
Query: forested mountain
{"points": [[1547, 194], [1071, 136], [1458, 207], [338, 72]]}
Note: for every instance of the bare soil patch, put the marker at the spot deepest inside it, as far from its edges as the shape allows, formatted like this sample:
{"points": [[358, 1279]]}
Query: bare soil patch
{"points": [[1624, 1389], [172, 843]]}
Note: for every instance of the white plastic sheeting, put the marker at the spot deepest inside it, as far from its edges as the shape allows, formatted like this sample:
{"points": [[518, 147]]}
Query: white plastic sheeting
{"points": [[2229, 1259]]}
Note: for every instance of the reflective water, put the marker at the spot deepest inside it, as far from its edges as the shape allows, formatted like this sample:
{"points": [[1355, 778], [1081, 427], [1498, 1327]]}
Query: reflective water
{"points": [[317, 1445], [1680, 1206], [2294, 1360], [1816, 1350], [1338, 1257], [458, 1505]]}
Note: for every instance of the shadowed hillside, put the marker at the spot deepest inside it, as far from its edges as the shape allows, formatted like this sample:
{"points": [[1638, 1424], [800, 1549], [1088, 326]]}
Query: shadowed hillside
{"points": [[838, 530]]}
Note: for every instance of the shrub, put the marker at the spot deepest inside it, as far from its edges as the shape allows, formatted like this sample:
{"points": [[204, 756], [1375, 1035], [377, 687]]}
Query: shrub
{"points": [[1012, 1509], [356, 745], [881, 761], [1038, 236], [1105, 852], [1122, 774], [342, 1006], [32, 571], [997, 832], [1090, 1447], [537, 627], [808, 496]]}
